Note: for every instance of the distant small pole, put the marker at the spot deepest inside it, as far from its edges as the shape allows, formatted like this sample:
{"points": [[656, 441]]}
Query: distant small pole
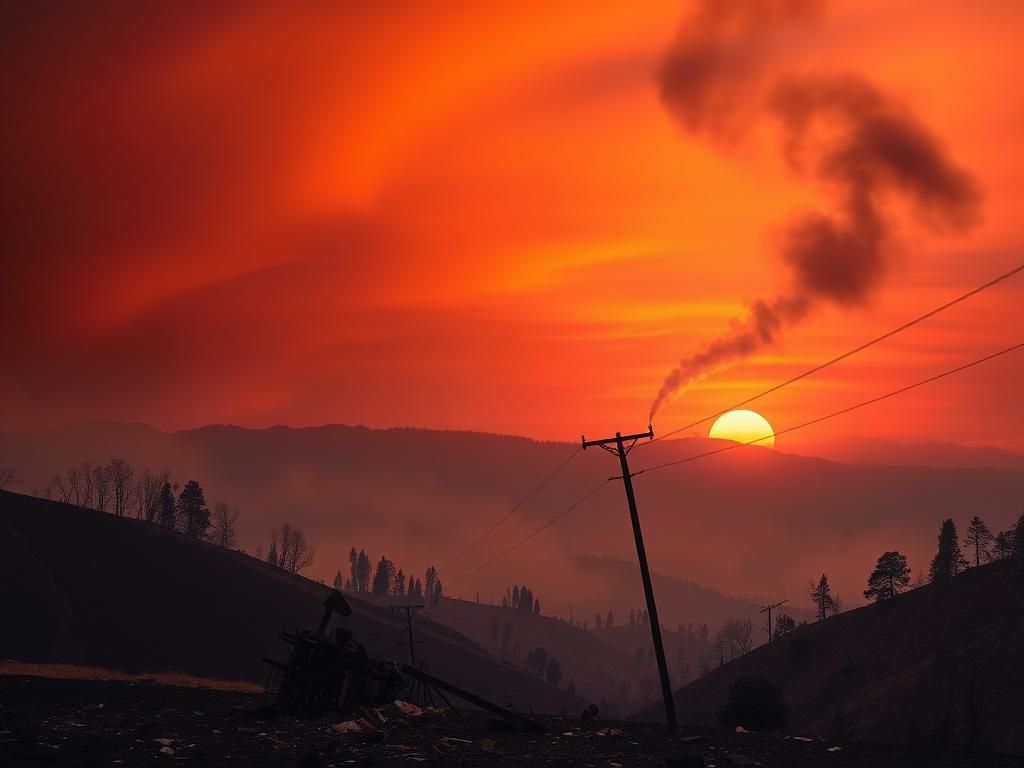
{"points": [[622, 451], [769, 608], [409, 611]]}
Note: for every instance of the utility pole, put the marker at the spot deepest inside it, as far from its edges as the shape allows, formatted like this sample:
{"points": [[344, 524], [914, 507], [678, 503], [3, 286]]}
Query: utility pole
{"points": [[409, 611], [769, 608], [621, 450]]}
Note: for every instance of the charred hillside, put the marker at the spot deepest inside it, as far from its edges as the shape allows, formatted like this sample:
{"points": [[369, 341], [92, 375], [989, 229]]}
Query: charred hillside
{"points": [[940, 666], [84, 587]]}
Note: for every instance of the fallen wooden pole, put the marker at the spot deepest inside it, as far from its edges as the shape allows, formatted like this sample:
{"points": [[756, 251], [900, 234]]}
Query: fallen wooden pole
{"points": [[472, 698]]}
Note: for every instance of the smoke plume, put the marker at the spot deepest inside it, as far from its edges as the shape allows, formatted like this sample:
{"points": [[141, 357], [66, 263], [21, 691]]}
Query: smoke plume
{"points": [[841, 132]]}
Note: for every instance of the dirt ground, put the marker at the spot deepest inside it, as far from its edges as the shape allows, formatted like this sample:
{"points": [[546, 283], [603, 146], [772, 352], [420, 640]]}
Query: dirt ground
{"points": [[83, 722]]}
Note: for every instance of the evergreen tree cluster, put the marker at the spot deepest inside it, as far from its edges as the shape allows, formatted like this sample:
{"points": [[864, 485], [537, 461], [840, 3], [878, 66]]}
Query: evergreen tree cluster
{"points": [[387, 580], [978, 546], [521, 598]]}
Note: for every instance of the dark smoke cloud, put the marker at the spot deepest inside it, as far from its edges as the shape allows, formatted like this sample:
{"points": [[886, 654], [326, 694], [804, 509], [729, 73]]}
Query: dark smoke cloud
{"points": [[870, 151]]}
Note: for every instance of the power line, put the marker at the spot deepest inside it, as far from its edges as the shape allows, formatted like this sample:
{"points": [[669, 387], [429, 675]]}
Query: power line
{"points": [[733, 446], [840, 412], [850, 353], [536, 489], [544, 527]]}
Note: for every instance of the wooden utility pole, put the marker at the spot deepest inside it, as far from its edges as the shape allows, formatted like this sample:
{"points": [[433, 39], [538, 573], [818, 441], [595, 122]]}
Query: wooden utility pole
{"points": [[621, 450], [769, 608]]}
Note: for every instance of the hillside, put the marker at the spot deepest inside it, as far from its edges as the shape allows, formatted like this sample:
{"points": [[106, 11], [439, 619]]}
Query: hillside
{"points": [[688, 603], [419, 496], [602, 665], [938, 666], [84, 587]]}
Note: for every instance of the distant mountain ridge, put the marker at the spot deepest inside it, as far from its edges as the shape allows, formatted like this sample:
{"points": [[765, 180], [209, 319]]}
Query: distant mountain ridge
{"points": [[871, 450], [753, 520]]}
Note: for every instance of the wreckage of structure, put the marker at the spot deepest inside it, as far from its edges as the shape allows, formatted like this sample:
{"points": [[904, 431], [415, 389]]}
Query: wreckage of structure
{"points": [[330, 672], [334, 673]]}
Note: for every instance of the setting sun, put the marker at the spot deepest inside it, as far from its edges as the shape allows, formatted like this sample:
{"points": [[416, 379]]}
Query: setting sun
{"points": [[743, 427]]}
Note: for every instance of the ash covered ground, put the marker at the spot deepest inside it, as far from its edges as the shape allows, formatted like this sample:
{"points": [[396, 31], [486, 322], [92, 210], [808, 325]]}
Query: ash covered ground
{"points": [[99, 723]]}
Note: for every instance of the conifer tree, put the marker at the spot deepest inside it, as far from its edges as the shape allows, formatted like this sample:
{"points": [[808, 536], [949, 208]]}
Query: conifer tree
{"points": [[1017, 536], [364, 569], [890, 577], [784, 624], [168, 509], [821, 596], [948, 560], [979, 538], [384, 577], [1002, 545], [192, 510]]}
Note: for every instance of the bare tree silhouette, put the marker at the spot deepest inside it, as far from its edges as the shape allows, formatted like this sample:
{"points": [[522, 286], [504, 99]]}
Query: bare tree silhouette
{"points": [[101, 487], [147, 495], [223, 525], [120, 473], [7, 477], [290, 549]]}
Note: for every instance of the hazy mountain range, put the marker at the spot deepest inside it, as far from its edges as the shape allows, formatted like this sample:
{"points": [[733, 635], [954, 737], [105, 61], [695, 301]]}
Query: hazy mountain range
{"points": [[754, 521]]}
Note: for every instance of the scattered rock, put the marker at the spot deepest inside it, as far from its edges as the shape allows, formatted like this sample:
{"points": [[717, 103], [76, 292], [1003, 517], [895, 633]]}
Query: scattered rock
{"points": [[834, 749], [347, 726], [166, 751], [487, 745], [409, 709]]}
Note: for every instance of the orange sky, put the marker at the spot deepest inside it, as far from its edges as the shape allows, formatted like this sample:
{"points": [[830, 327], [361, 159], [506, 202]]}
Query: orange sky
{"points": [[481, 219]]}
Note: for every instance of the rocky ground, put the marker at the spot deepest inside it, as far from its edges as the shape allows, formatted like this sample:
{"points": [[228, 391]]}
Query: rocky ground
{"points": [[100, 723]]}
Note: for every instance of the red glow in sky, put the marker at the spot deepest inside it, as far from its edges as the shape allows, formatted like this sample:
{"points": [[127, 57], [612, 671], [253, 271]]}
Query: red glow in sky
{"points": [[480, 217]]}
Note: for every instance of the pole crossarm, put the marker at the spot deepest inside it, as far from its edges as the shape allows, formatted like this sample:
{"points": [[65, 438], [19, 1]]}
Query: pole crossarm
{"points": [[649, 434], [774, 605], [769, 609]]}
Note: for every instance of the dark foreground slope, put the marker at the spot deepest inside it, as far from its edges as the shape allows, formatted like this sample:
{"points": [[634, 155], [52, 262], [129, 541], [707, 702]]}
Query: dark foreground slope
{"points": [[942, 666], [84, 587]]}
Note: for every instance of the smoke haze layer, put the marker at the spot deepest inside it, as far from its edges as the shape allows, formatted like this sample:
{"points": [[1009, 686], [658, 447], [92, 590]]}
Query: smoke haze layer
{"points": [[840, 132]]}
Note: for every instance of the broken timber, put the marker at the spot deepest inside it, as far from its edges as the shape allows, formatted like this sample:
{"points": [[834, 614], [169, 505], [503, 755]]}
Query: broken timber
{"points": [[326, 672], [472, 698]]}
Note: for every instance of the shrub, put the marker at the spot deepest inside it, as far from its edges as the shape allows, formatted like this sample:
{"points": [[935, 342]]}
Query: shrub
{"points": [[756, 704]]}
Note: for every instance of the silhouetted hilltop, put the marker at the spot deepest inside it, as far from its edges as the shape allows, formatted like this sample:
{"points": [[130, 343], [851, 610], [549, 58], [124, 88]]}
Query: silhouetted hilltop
{"points": [[941, 665], [753, 520], [84, 587]]}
